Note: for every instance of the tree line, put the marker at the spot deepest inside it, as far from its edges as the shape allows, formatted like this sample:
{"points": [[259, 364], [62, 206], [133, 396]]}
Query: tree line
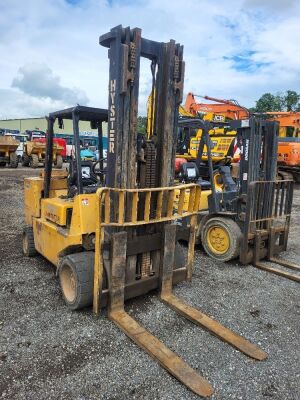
{"points": [[283, 101]]}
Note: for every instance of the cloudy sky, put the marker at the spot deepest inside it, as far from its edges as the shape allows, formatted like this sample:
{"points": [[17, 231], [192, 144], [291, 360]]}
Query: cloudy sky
{"points": [[51, 59]]}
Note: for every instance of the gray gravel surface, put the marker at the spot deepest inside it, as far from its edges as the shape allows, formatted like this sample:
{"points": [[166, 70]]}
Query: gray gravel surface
{"points": [[48, 352]]}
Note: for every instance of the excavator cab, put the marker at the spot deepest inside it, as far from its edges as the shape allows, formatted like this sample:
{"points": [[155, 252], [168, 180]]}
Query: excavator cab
{"points": [[118, 239]]}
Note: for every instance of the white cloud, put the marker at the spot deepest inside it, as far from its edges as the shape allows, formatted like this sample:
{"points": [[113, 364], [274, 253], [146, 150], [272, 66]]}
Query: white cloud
{"points": [[235, 49], [38, 80]]}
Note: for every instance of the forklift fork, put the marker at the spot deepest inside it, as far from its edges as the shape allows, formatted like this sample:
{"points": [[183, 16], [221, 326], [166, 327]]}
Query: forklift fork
{"points": [[146, 340], [274, 260], [192, 314], [143, 338], [117, 276], [267, 222]]}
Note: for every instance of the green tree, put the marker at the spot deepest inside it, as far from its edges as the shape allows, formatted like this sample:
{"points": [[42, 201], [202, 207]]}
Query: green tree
{"points": [[142, 124], [286, 101], [291, 100], [268, 102]]}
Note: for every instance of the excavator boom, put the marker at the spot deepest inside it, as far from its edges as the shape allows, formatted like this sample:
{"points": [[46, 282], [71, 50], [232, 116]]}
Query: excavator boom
{"points": [[229, 108]]}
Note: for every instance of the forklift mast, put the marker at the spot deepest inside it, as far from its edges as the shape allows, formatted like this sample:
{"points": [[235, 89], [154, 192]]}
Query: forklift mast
{"points": [[126, 47], [257, 141]]}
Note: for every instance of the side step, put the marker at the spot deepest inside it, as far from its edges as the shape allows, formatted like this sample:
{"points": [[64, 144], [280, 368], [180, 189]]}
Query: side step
{"points": [[280, 272]]}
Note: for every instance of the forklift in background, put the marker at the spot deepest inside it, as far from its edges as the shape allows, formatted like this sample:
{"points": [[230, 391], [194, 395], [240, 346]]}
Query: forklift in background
{"points": [[248, 211], [116, 238]]}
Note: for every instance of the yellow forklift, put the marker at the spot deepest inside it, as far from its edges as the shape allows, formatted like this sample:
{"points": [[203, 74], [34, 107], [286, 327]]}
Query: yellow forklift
{"points": [[248, 211], [112, 235]]}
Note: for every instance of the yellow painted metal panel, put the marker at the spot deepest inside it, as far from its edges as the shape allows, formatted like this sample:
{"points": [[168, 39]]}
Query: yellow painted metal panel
{"points": [[55, 210], [50, 241]]}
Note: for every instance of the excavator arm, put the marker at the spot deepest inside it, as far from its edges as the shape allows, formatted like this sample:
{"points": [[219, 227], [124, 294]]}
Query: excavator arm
{"points": [[229, 108]]}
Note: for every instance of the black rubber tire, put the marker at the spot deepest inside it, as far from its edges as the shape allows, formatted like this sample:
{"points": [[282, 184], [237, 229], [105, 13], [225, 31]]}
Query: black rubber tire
{"points": [[34, 161], [59, 161], [234, 233], [2, 164], [28, 242], [81, 265], [25, 160], [13, 160]]}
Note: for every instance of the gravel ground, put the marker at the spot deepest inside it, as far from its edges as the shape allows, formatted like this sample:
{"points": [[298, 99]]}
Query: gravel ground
{"points": [[48, 352]]}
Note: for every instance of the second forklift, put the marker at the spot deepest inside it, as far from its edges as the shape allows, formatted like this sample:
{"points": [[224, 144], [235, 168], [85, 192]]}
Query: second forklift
{"points": [[248, 211]]}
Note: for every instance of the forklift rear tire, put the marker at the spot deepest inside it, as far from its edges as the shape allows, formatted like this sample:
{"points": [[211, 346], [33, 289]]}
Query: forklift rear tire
{"points": [[28, 242], [13, 160], [221, 238], [59, 161], [34, 161], [76, 277]]}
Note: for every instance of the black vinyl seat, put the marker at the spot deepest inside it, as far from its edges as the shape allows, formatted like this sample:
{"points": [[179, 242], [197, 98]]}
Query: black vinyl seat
{"points": [[205, 185], [90, 182]]}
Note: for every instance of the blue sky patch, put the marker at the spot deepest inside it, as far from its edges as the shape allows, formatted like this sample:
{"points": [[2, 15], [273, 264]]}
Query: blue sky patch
{"points": [[73, 2], [244, 62]]}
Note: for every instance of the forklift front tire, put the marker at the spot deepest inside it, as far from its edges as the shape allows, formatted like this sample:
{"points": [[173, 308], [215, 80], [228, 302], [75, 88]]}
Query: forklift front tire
{"points": [[221, 238], [76, 277], [28, 242]]}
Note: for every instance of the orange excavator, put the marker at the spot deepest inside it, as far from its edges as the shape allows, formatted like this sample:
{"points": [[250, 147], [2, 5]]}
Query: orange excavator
{"points": [[230, 109], [288, 143], [223, 138], [289, 129]]}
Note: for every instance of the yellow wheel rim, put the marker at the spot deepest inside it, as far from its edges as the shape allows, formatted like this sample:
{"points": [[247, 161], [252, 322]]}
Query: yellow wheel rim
{"points": [[218, 239]]}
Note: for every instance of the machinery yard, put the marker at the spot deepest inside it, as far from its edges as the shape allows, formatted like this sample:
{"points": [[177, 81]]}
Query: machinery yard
{"points": [[49, 352], [149, 240]]}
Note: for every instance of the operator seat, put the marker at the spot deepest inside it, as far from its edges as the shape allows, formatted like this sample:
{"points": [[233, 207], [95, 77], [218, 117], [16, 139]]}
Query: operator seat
{"points": [[90, 182], [190, 173]]}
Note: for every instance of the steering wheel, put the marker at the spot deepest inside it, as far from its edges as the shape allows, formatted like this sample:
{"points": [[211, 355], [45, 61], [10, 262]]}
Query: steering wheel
{"points": [[96, 170]]}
